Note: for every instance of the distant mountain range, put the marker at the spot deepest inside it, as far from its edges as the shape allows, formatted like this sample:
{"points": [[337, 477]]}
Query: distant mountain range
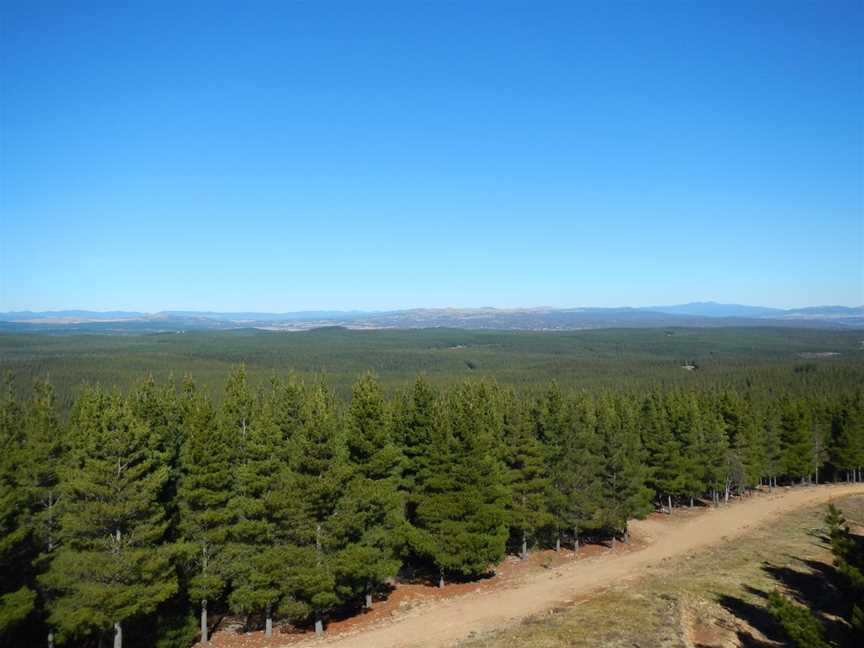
{"points": [[699, 314]]}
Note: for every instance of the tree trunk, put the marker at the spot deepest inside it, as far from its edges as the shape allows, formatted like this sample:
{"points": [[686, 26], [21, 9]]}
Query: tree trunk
{"points": [[368, 600], [50, 639], [669, 499], [204, 621], [691, 501], [726, 498], [558, 544], [817, 475], [319, 626], [268, 622], [524, 545], [575, 540], [118, 631], [626, 534], [441, 580]]}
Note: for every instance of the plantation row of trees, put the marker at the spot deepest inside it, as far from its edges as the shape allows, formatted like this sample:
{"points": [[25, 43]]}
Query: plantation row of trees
{"points": [[146, 515]]}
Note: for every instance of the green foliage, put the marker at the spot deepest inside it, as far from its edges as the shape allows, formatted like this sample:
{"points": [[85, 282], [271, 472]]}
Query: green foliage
{"points": [[283, 499], [15, 607], [849, 561], [460, 514], [203, 493], [113, 564], [665, 475], [374, 525], [632, 359], [802, 627], [622, 476], [16, 597], [313, 490], [796, 439], [576, 492], [525, 471]]}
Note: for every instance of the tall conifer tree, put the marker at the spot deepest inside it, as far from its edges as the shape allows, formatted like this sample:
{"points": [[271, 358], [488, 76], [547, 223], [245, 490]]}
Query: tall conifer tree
{"points": [[372, 505], [203, 493], [578, 471], [112, 565], [461, 515], [17, 597], [310, 530], [663, 451], [525, 473], [623, 490], [44, 452]]}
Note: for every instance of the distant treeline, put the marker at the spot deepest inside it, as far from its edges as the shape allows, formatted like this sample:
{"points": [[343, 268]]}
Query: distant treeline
{"points": [[149, 514]]}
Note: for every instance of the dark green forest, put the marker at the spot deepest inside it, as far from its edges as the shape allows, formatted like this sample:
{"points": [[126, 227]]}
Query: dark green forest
{"points": [[148, 511], [600, 358]]}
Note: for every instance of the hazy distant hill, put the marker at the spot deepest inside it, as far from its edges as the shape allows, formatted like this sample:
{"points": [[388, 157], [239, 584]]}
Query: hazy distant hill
{"points": [[15, 316], [702, 314], [713, 309]]}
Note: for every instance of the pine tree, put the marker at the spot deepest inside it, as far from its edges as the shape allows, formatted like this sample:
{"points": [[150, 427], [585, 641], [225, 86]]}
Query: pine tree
{"points": [[17, 596], [461, 515], [772, 445], [796, 439], [161, 410], [44, 451], [551, 425], [855, 424], [309, 530], [415, 425], [623, 491], [690, 433], [723, 468], [203, 492], [847, 437], [577, 477], [372, 506], [525, 473], [663, 451], [112, 565], [254, 506], [749, 448], [235, 414]]}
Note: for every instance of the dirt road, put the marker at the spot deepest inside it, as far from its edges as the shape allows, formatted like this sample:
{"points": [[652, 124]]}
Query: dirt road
{"points": [[445, 622]]}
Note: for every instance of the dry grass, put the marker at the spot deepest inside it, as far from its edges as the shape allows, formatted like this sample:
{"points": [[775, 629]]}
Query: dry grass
{"points": [[710, 599]]}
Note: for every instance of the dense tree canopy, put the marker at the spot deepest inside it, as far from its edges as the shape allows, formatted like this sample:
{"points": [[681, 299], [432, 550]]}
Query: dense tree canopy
{"points": [[282, 504]]}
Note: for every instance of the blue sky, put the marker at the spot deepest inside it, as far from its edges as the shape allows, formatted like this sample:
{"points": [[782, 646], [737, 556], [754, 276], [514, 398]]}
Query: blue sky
{"points": [[373, 155]]}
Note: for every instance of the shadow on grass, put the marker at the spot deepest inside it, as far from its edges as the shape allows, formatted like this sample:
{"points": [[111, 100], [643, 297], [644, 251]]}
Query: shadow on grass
{"points": [[815, 586], [755, 615]]}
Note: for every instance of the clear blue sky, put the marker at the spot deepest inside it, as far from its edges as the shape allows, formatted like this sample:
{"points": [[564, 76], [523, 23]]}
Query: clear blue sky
{"points": [[375, 155]]}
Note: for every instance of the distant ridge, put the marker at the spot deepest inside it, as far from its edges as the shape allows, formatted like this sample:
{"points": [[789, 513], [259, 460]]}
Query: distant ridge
{"points": [[697, 314], [14, 316], [713, 309]]}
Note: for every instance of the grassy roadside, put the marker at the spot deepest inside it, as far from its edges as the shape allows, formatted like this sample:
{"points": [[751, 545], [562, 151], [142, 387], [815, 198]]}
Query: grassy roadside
{"points": [[712, 598]]}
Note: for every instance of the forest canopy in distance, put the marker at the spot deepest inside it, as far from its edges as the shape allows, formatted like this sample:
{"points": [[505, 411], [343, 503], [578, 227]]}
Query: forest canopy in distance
{"points": [[635, 358]]}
